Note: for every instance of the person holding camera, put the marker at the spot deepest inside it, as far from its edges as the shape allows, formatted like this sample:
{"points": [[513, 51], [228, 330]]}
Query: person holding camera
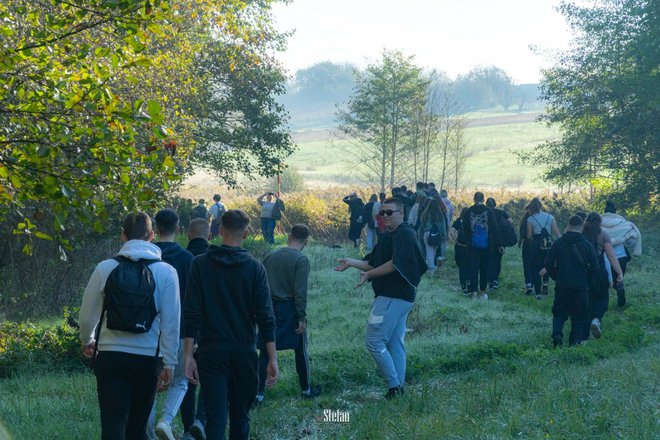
{"points": [[271, 212], [357, 220]]}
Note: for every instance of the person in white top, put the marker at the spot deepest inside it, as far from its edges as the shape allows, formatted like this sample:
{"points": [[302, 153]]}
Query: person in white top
{"points": [[540, 223]]}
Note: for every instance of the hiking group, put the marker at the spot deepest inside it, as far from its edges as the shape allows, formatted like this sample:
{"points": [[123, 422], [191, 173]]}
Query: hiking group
{"points": [[204, 324]]}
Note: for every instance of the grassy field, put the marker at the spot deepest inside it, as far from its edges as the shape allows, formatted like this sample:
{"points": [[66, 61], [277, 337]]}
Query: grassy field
{"points": [[324, 158], [476, 370]]}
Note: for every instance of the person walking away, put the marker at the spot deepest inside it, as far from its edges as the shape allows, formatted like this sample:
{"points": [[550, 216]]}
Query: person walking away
{"points": [[449, 213], [599, 295], [413, 215], [457, 234], [525, 246], [571, 262], [214, 215], [193, 418], [288, 271], [380, 223], [199, 211], [623, 234], [180, 259], [356, 212], [395, 268], [508, 238], [432, 230], [127, 349], [228, 296], [271, 212], [541, 227], [371, 228], [482, 237], [183, 211]]}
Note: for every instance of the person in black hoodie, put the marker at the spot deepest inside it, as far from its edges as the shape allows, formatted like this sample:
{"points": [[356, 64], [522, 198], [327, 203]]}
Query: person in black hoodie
{"points": [[482, 236], [357, 220], [193, 421], [167, 221], [228, 294], [571, 262]]}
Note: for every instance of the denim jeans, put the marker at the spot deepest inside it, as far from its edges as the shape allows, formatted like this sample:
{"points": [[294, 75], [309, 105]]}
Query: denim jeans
{"points": [[268, 229], [229, 384], [173, 396], [386, 329], [429, 251], [126, 385]]}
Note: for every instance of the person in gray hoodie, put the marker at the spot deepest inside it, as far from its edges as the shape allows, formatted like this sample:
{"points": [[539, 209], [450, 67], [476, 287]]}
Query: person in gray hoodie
{"points": [[126, 366]]}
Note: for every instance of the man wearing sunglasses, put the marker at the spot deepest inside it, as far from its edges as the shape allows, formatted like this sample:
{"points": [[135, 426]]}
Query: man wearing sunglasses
{"points": [[395, 268]]}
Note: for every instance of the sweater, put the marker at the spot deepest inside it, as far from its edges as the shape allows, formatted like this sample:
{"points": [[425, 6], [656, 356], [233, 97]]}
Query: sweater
{"points": [[622, 231], [166, 295], [197, 246], [288, 270], [571, 261], [180, 259], [494, 240], [227, 296]]}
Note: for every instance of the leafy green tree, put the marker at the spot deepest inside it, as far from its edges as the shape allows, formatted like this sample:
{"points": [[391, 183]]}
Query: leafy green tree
{"points": [[386, 98], [604, 92]]}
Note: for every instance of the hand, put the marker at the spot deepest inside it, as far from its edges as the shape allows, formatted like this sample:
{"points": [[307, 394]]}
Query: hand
{"points": [[272, 373], [543, 272], [88, 349], [344, 263], [191, 370], [302, 327], [502, 250], [363, 279], [164, 379], [619, 279]]}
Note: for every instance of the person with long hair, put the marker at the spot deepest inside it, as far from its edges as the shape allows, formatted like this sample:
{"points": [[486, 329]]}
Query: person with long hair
{"points": [[599, 295], [541, 226], [526, 249], [441, 250], [432, 221]]}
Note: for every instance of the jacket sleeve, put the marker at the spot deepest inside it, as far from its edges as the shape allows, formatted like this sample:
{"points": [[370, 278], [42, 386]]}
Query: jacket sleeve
{"points": [[495, 228], [170, 317], [192, 311], [91, 307], [300, 287], [263, 305], [550, 262]]}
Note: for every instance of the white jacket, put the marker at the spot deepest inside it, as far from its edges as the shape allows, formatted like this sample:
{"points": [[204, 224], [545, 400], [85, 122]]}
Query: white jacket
{"points": [[166, 323], [622, 231]]}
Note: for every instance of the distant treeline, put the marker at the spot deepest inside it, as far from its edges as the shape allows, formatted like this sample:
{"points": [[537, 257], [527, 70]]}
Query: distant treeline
{"points": [[313, 93]]}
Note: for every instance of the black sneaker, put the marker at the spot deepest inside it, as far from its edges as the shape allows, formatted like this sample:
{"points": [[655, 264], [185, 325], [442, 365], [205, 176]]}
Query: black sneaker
{"points": [[495, 285], [544, 289], [529, 291], [258, 401], [314, 392], [394, 392]]}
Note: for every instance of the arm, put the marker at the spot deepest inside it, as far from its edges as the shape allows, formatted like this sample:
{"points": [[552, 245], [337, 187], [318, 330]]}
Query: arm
{"points": [[382, 270], [190, 362], [272, 370], [260, 200], [555, 229], [192, 310], [169, 309], [345, 263], [530, 231], [300, 293], [609, 251], [90, 311]]}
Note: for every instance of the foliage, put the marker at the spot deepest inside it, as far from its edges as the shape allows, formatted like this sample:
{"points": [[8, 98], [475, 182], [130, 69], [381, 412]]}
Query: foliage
{"points": [[485, 87], [603, 93]]}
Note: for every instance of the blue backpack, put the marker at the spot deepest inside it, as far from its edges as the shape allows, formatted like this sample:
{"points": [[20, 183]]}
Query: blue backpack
{"points": [[479, 224]]}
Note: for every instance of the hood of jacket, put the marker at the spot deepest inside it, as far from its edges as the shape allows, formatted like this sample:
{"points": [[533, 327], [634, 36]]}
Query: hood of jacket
{"points": [[229, 256], [140, 250], [573, 237], [197, 246], [170, 251]]}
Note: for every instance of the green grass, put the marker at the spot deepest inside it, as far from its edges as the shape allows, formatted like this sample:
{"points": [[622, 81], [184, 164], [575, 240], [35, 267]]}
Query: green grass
{"points": [[492, 162], [476, 370]]}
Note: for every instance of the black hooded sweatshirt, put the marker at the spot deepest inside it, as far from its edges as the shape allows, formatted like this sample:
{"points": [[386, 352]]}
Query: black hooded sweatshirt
{"points": [[228, 294], [494, 240], [197, 246], [572, 262], [180, 259]]}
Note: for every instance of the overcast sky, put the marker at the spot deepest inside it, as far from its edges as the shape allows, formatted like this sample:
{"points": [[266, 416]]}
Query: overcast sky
{"points": [[450, 35]]}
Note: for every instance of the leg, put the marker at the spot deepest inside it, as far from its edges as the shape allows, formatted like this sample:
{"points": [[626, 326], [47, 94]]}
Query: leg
{"points": [[396, 345], [144, 375], [578, 314], [188, 407], [214, 377], [177, 390], [473, 268], [560, 309], [242, 388], [429, 252], [537, 264], [263, 364], [302, 364], [483, 257], [114, 390], [527, 263]]}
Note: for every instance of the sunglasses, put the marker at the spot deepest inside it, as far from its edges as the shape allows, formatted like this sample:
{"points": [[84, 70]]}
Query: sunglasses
{"points": [[387, 212]]}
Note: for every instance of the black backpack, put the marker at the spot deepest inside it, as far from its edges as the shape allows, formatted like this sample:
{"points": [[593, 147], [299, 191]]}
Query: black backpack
{"points": [[507, 231], [435, 237], [129, 304], [199, 211], [545, 239]]}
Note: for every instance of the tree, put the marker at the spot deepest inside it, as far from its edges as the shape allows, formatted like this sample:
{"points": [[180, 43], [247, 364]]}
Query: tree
{"points": [[451, 125], [484, 87], [604, 93], [379, 111]]}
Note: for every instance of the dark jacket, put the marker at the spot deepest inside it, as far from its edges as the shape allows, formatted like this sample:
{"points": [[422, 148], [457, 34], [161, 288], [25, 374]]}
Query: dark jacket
{"points": [[180, 259], [494, 239], [227, 295], [571, 261], [197, 246]]}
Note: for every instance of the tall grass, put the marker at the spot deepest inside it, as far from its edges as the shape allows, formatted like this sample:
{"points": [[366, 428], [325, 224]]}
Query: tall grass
{"points": [[476, 370]]}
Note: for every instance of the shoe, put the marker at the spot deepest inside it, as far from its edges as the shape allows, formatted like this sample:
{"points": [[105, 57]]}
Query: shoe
{"points": [[197, 430], [187, 436], [258, 401], [544, 289], [164, 431], [621, 296], [314, 392], [595, 328], [467, 293], [483, 296], [529, 291], [556, 342], [394, 392], [495, 285], [540, 297]]}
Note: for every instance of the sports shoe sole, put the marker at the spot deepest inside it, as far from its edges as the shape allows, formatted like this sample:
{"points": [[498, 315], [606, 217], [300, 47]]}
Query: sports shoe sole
{"points": [[595, 330]]}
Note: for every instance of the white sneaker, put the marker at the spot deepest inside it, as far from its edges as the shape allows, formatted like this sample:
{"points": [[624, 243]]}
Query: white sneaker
{"points": [[164, 431], [595, 328], [483, 296], [197, 430]]}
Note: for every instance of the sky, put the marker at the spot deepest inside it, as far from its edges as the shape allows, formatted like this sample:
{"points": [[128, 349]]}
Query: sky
{"points": [[449, 35]]}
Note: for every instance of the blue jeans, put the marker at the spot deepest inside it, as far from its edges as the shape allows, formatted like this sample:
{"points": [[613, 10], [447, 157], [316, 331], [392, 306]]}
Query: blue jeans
{"points": [[268, 229], [173, 396], [385, 332]]}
